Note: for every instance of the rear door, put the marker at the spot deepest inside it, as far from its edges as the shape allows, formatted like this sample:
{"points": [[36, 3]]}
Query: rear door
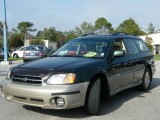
{"points": [[139, 59]]}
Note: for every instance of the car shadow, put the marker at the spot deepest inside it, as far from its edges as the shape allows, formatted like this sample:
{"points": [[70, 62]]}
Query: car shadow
{"points": [[107, 106]]}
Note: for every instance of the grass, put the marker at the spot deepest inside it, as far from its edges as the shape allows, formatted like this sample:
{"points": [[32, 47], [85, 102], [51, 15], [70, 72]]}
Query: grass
{"points": [[157, 56], [12, 59]]}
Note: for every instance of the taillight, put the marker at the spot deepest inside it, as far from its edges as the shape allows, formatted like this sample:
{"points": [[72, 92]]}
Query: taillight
{"points": [[40, 54]]}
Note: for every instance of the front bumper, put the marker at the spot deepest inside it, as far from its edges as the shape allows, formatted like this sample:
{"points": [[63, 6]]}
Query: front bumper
{"points": [[40, 96]]}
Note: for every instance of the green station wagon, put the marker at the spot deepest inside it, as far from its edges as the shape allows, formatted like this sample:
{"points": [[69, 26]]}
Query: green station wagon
{"points": [[82, 72]]}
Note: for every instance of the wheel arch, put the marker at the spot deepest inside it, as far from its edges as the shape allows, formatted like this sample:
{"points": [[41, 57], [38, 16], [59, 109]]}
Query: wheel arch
{"points": [[149, 67], [105, 89], [16, 54]]}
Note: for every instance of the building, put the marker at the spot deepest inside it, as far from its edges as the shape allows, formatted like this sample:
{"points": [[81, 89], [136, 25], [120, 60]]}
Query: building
{"points": [[47, 43], [156, 41]]}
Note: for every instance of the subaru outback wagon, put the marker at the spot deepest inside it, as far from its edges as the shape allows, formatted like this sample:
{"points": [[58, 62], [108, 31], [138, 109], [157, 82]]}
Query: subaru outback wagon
{"points": [[82, 72]]}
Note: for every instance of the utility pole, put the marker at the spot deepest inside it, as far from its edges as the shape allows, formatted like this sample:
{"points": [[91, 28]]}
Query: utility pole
{"points": [[5, 35]]}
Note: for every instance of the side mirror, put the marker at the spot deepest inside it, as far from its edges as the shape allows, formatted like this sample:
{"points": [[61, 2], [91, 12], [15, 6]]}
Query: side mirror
{"points": [[119, 53]]}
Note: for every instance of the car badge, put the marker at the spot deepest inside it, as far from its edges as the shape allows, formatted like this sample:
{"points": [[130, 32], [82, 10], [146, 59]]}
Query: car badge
{"points": [[24, 79]]}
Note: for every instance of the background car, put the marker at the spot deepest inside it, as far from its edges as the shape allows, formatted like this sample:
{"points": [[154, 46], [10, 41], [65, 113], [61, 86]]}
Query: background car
{"points": [[18, 53], [34, 52], [2, 53]]}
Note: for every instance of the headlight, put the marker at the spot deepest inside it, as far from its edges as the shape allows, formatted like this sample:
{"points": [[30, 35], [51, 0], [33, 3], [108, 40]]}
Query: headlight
{"points": [[61, 79], [8, 76]]}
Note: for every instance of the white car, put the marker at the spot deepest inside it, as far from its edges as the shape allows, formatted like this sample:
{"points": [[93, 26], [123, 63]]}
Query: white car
{"points": [[18, 53]]}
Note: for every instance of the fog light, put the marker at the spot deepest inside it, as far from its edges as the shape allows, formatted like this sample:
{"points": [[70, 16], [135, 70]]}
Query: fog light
{"points": [[60, 102], [2, 94], [52, 101]]}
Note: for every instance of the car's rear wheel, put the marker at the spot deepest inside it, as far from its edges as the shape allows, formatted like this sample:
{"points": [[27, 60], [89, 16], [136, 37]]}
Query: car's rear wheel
{"points": [[146, 81], [15, 55], [93, 97]]}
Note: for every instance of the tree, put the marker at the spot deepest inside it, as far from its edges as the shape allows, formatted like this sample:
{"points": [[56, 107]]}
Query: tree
{"points": [[70, 35], [39, 34], [15, 40], [37, 42], [25, 28], [150, 29], [103, 26], [130, 26], [60, 38], [85, 28], [48, 34], [149, 41]]}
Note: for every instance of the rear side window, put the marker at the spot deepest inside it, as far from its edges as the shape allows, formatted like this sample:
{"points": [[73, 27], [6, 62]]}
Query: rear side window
{"points": [[131, 46], [141, 45]]}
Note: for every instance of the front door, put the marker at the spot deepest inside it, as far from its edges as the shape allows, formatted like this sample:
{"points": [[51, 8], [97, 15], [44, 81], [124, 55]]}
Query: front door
{"points": [[120, 73]]}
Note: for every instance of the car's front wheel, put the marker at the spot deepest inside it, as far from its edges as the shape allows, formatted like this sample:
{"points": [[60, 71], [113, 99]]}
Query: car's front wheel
{"points": [[93, 97], [146, 81]]}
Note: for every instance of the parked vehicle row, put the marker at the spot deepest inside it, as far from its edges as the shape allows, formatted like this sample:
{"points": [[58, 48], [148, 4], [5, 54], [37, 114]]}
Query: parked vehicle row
{"points": [[31, 52]]}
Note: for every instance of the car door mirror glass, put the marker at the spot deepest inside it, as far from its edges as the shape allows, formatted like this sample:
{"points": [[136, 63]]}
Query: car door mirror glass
{"points": [[119, 53]]}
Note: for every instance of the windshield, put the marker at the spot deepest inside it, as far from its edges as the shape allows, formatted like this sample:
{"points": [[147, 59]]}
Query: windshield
{"points": [[88, 47]]}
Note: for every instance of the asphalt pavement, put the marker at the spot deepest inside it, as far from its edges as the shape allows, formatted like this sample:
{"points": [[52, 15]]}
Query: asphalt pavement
{"points": [[130, 104]]}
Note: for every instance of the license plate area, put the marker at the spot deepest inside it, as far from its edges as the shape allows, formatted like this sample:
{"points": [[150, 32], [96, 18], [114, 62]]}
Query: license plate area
{"points": [[32, 53]]}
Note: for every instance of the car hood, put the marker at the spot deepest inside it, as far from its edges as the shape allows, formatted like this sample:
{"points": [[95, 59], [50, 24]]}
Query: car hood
{"points": [[55, 64]]}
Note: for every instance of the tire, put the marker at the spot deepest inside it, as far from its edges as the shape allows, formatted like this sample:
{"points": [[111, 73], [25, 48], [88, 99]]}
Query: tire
{"points": [[25, 60], [146, 81], [15, 55], [93, 97]]}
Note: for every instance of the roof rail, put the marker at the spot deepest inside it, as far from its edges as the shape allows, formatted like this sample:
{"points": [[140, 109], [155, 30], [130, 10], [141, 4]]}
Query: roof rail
{"points": [[88, 34], [121, 33]]}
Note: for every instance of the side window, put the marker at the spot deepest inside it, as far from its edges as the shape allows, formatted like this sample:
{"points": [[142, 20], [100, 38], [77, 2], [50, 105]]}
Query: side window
{"points": [[119, 45], [131, 46], [141, 45], [21, 49]]}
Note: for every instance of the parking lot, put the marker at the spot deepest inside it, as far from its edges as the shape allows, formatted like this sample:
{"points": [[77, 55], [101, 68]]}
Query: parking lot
{"points": [[130, 104]]}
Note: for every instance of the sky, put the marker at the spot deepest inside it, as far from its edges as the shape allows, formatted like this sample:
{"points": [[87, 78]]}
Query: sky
{"points": [[67, 14]]}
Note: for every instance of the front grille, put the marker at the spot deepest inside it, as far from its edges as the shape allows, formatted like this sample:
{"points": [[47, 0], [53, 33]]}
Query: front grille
{"points": [[27, 79]]}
